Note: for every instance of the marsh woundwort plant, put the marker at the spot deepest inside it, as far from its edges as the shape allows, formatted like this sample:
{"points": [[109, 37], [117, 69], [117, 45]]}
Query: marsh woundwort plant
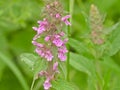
{"points": [[50, 40]]}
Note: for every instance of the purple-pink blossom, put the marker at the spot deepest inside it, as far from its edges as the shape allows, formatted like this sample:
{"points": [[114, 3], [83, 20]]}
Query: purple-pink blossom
{"points": [[61, 56], [61, 53], [57, 15], [58, 42], [47, 84], [65, 19], [50, 41], [42, 26], [55, 66]]}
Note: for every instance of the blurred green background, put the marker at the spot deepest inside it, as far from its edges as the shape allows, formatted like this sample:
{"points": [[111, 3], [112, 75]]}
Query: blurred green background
{"points": [[16, 20]]}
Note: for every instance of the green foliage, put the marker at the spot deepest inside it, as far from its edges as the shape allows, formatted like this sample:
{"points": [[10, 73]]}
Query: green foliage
{"points": [[82, 64], [16, 20], [29, 59], [109, 62], [115, 41], [64, 85], [33, 62], [15, 70]]}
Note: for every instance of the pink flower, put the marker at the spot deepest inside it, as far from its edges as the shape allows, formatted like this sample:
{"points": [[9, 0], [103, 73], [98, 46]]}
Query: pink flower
{"points": [[43, 73], [40, 52], [47, 38], [57, 15], [61, 53], [62, 33], [65, 19], [37, 44], [57, 41], [47, 84], [48, 56], [42, 26], [61, 56], [36, 37], [55, 66], [51, 36], [63, 49]]}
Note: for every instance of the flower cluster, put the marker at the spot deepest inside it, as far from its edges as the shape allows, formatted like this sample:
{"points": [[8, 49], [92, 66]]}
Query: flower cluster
{"points": [[53, 42], [96, 26]]}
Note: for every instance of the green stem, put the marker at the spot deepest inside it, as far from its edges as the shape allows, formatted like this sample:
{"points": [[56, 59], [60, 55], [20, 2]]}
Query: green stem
{"points": [[71, 6], [99, 83], [33, 82]]}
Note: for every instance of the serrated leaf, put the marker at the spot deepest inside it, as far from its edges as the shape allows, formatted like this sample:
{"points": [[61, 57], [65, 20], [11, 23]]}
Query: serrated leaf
{"points": [[29, 59], [83, 64], [63, 85], [115, 42], [34, 62]]}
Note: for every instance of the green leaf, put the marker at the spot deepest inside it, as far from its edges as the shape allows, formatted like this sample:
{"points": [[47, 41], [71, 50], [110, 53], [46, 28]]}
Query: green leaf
{"points": [[83, 64], [79, 46], [63, 85], [111, 29], [39, 65], [107, 61], [29, 59], [115, 42], [35, 63], [63, 69], [15, 70]]}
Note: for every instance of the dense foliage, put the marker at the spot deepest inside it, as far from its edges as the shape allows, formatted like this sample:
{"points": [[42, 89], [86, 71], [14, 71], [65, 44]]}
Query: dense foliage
{"points": [[92, 67]]}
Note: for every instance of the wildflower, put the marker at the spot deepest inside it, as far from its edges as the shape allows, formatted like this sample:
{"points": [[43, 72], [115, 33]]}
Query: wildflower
{"points": [[57, 41], [57, 15], [41, 28], [50, 30], [65, 19], [97, 34], [47, 84], [55, 66]]}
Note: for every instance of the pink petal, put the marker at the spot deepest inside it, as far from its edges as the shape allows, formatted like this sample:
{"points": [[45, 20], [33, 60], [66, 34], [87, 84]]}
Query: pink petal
{"points": [[47, 38], [55, 66], [61, 56], [47, 84]]}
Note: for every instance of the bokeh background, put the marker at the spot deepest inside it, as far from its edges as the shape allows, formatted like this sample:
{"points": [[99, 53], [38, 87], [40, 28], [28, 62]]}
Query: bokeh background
{"points": [[16, 20]]}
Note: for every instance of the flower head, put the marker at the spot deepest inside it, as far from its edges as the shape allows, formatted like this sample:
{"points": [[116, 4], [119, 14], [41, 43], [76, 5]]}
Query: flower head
{"points": [[47, 84], [50, 40], [42, 26], [65, 19]]}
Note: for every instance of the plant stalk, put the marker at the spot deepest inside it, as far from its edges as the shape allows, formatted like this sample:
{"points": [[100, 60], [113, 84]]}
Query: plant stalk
{"points": [[33, 82], [71, 6]]}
